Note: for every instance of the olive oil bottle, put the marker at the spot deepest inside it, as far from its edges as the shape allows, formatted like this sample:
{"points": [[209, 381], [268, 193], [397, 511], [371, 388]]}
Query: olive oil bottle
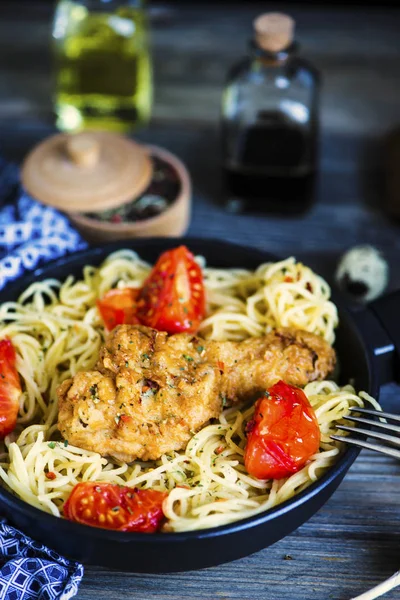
{"points": [[103, 66]]}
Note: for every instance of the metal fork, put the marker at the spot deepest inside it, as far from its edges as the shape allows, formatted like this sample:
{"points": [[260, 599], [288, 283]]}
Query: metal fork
{"points": [[388, 447], [390, 442]]}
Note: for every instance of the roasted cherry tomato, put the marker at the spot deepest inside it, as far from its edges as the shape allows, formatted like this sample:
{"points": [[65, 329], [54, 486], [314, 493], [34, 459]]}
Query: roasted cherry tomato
{"points": [[118, 307], [172, 298], [283, 434], [10, 388], [111, 506]]}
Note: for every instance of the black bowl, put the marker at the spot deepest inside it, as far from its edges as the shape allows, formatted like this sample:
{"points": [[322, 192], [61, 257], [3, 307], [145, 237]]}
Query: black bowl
{"points": [[166, 552]]}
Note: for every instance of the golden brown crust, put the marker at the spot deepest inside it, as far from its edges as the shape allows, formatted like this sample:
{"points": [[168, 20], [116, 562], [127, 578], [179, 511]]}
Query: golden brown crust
{"points": [[297, 357], [150, 392]]}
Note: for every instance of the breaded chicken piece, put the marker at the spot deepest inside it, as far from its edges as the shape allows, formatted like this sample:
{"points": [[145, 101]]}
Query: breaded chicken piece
{"points": [[150, 392]]}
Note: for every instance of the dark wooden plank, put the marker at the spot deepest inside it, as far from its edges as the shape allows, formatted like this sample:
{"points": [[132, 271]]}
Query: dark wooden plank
{"points": [[194, 46]]}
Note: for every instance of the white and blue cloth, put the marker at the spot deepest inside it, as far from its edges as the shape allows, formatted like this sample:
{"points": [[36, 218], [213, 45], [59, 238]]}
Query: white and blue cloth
{"points": [[31, 234], [31, 571]]}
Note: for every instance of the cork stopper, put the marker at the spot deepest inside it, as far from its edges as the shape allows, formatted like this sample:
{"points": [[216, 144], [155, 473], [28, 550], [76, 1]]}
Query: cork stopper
{"points": [[273, 31]]}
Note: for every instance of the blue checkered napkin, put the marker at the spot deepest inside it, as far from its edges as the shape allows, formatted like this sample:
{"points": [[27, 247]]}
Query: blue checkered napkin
{"points": [[30, 233], [30, 571]]}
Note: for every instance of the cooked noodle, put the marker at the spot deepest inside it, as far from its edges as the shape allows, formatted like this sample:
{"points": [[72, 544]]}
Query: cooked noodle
{"points": [[57, 331]]}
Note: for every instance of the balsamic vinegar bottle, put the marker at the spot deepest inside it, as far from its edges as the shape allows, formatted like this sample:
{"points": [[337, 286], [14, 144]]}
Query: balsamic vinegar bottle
{"points": [[270, 123]]}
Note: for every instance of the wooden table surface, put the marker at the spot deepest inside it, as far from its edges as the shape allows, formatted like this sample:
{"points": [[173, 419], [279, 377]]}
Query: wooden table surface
{"points": [[353, 543]]}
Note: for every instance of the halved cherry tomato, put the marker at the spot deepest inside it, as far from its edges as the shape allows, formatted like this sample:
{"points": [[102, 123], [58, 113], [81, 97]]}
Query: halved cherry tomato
{"points": [[10, 388], [118, 307], [111, 506], [283, 434], [172, 298]]}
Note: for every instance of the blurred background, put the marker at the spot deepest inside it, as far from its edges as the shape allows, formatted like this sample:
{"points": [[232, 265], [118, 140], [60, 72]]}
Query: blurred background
{"points": [[192, 46]]}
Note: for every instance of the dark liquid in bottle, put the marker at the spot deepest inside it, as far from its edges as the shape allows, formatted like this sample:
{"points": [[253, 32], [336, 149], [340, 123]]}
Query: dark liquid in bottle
{"points": [[274, 168]]}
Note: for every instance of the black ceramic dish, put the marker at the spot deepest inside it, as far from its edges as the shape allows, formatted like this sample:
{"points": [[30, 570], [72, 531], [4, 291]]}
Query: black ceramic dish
{"points": [[363, 359]]}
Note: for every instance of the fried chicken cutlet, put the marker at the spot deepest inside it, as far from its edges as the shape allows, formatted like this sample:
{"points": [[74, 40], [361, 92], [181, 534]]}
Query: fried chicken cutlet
{"points": [[150, 391]]}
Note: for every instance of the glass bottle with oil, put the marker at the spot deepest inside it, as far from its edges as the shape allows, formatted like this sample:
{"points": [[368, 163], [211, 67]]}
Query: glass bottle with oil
{"points": [[103, 64]]}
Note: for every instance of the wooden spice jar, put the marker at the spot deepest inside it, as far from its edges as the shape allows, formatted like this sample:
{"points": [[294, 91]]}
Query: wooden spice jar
{"points": [[105, 184]]}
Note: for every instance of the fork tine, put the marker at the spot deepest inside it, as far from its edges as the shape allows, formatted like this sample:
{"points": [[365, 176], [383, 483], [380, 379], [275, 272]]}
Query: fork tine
{"points": [[374, 434], [368, 445], [387, 426], [375, 413]]}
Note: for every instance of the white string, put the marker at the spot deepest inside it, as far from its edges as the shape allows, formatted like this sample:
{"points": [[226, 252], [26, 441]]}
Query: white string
{"points": [[381, 589]]}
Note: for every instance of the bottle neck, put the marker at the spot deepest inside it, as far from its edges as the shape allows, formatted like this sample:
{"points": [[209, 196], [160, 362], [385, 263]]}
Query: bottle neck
{"points": [[272, 59]]}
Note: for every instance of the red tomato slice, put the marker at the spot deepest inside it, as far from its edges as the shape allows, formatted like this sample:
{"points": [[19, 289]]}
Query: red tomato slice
{"points": [[111, 506], [118, 307], [173, 298], [10, 388], [283, 434]]}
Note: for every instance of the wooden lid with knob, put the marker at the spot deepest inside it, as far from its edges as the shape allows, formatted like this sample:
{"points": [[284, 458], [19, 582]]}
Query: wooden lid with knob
{"points": [[273, 31], [84, 172]]}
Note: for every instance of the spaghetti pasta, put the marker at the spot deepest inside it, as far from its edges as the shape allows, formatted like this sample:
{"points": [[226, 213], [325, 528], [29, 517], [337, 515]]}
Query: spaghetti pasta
{"points": [[57, 331]]}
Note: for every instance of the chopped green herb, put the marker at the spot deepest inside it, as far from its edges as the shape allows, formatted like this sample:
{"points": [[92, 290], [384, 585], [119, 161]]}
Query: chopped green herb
{"points": [[185, 310], [127, 364], [115, 509], [188, 358], [224, 400], [66, 443], [51, 445], [181, 368], [267, 394], [200, 349], [145, 356]]}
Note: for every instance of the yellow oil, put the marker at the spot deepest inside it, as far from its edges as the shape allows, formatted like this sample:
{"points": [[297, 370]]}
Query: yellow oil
{"points": [[103, 66]]}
